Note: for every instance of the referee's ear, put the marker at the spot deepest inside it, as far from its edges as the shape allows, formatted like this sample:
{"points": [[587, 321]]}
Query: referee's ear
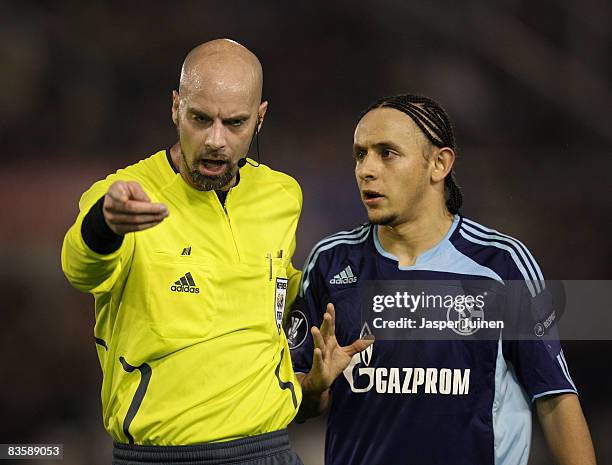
{"points": [[261, 114], [442, 163], [175, 107]]}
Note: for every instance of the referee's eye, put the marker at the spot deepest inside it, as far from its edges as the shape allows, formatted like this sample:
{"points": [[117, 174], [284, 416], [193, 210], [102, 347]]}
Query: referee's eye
{"points": [[198, 118], [235, 122]]}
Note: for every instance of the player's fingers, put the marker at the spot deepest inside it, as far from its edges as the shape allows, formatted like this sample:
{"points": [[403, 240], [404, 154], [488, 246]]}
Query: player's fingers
{"points": [[332, 313], [359, 345], [317, 360], [317, 338], [137, 207], [326, 327], [137, 192]]}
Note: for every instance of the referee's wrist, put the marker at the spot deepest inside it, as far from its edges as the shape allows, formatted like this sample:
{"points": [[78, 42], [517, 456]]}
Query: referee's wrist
{"points": [[97, 235]]}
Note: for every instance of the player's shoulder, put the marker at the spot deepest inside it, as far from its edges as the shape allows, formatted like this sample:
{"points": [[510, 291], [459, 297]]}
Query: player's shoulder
{"points": [[340, 245], [334, 250], [506, 255]]}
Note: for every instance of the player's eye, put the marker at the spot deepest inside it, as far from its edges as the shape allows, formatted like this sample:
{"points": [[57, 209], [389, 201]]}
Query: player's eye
{"points": [[388, 153], [359, 155], [235, 122]]}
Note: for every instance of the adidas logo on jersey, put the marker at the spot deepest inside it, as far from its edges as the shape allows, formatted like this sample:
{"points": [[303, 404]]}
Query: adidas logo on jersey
{"points": [[346, 276], [185, 284]]}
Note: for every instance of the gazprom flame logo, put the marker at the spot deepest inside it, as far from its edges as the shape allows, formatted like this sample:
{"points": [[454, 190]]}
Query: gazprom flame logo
{"points": [[365, 355], [362, 358]]}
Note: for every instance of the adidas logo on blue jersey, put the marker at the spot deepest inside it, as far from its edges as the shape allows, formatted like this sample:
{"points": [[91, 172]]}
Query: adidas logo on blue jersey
{"points": [[346, 276], [185, 284]]}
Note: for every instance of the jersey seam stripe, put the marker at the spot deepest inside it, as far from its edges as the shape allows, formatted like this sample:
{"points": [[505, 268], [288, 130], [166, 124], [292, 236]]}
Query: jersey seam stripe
{"points": [[141, 390], [565, 373], [497, 277], [315, 251], [285, 384], [312, 257], [526, 263], [342, 234], [306, 274], [310, 266], [528, 258], [512, 239], [507, 249], [569, 377], [556, 391], [534, 263]]}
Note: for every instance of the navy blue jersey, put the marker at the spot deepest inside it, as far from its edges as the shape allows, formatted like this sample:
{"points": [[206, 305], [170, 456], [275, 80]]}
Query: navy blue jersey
{"points": [[418, 401]]}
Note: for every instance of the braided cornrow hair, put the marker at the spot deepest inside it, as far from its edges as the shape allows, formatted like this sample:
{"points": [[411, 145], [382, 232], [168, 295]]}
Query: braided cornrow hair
{"points": [[431, 118]]}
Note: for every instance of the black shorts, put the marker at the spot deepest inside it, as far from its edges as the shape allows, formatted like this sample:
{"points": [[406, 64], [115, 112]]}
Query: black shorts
{"points": [[264, 449]]}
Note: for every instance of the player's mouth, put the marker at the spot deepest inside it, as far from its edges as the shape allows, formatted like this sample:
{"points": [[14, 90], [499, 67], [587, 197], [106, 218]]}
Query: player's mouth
{"points": [[372, 198], [212, 166]]}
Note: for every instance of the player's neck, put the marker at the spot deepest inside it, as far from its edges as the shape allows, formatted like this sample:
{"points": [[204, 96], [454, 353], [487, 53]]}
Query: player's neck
{"points": [[409, 239]]}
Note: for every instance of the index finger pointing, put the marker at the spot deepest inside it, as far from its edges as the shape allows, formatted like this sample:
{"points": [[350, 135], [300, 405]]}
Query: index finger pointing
{"points": [[137, 193], [138, 207]]}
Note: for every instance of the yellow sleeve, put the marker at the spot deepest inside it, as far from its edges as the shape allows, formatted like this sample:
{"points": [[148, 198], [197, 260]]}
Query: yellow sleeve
{"points": [[85, 269], [294, 277]]}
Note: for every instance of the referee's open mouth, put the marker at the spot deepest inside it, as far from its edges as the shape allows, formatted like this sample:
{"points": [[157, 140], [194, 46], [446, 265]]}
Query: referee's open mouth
{"points": [[371, 197], [212, 166]]}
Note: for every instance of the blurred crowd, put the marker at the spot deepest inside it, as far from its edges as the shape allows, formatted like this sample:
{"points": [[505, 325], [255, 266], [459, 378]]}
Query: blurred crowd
{"points": [[86, 89]]}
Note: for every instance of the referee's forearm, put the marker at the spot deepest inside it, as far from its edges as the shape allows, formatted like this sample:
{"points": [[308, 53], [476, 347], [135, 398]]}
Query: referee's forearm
{"points": [[96, 233]]}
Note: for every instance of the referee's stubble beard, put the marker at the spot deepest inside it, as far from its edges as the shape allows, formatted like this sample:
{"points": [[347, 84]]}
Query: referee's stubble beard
{"points": [[207, 182]]}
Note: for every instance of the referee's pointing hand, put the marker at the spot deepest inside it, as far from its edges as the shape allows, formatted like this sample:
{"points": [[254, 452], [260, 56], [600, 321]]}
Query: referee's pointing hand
{"points": [[329, 358], [127, 208]]}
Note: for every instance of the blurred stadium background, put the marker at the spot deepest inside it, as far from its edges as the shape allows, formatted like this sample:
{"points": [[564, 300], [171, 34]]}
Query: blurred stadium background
{"points": [[86, 89]]}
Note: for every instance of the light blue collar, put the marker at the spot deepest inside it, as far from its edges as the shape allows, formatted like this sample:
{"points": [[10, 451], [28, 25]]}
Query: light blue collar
{"points": [[426, 256]]}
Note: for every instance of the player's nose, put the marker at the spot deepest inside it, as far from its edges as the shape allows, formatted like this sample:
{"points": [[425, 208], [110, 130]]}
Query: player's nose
{"points": [[368, 168]]}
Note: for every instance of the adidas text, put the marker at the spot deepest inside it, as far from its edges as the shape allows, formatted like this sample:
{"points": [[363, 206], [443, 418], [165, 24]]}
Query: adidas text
{"points": [[338, 280], [185, 288]]}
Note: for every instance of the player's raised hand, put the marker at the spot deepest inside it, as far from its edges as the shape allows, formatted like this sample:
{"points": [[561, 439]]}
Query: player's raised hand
{"points": [[127, 208], [329, 358]]}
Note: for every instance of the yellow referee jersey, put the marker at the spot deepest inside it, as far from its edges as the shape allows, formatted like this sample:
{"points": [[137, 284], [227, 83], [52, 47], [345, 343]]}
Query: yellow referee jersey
{"points": [[188, 313]]}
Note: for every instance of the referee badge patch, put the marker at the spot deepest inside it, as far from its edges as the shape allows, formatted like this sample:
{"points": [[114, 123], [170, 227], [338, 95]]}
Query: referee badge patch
{"points": [[279, 301]]}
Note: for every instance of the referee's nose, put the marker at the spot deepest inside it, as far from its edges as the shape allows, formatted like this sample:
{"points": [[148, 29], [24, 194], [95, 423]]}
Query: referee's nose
{"points": [[215, 136]]}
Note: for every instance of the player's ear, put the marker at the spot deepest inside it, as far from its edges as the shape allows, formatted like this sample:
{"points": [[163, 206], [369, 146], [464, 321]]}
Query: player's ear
{"points": [[442, 163], [175, 107], [261, 114]]}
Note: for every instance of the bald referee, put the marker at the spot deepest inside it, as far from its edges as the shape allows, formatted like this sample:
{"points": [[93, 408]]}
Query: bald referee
{"points": [[188, 255]]}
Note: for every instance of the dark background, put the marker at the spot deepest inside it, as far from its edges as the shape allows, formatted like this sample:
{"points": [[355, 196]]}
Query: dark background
{"points": [[86, 89]]}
